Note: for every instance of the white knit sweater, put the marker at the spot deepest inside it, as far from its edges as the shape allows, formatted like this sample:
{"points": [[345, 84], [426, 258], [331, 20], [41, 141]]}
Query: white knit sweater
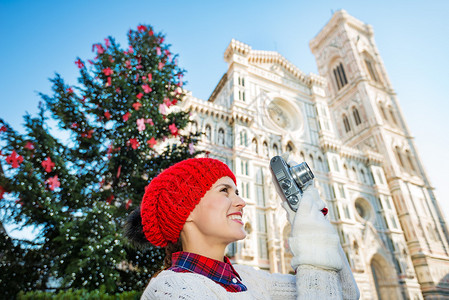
{"points": [[309, 283]]}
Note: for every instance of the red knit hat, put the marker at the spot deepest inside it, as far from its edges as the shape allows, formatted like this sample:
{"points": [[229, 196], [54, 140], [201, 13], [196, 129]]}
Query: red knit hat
{"points": [[174, 193]]}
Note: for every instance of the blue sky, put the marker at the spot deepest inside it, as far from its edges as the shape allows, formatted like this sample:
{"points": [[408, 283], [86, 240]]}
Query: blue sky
{"points": [[39, 38]]}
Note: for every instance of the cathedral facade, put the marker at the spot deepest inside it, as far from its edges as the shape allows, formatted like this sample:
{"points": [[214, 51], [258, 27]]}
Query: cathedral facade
{"points": [[346, 123]]}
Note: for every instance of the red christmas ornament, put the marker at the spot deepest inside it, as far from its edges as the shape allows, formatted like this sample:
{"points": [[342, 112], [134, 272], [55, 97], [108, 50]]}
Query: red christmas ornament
{"points": [[53, 182], [48, 165], [14, 160], [134, 143], [79, 63], [140, 124], [128, 203], [107, 43], [146, 88], [170, 103], [2, 192], [128, 64], [110, 198], [137, 105], [150, 77], [3, 128], [117, 90], [100, 49], [142, 28], [29, 146], [119, 170], [107, 115], [126, 116], [162, 109], [160, 65], [109, 81], [139, 96], [108, 71], [152, 142], [69, 90], [87, 134], [173, 129], [110, 148]]}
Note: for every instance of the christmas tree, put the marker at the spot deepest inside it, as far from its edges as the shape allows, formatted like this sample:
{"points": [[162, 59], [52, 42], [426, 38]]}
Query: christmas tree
{"points": [[120, 127]]}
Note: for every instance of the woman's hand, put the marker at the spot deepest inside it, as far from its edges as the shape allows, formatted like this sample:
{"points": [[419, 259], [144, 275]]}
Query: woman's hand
{"points": [[313, 240]]}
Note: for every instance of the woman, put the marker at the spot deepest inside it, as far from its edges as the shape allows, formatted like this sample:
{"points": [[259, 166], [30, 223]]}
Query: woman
{"points": [[193, 210]]}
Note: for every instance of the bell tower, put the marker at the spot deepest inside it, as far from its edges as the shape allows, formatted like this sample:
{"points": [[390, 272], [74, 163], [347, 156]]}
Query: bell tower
{"points": [[367, 116]]}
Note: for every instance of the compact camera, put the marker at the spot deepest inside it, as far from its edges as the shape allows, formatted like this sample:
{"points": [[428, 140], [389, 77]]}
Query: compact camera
{"points": [[290, 181]]}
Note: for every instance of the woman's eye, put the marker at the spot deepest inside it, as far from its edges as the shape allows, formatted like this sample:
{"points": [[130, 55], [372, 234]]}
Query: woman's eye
{"points": [[237, 192], [224, 190]]}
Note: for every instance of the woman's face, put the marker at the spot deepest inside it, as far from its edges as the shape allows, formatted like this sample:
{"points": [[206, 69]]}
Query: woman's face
{"points": [[218, 216]]}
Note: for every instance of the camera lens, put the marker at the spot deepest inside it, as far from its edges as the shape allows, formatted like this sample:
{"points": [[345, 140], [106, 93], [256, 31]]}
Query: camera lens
{"points": [[302, 174], [286, 184]]}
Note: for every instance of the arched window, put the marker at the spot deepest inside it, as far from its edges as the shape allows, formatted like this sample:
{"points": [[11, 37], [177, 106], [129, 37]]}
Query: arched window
{"points": [[371, 70], [303, 158], [321, 166], [345, 167], [379, 177], [410, 161], [355, 113], [255, 146], [312, 164], [265, 149], [243, 138], [392, 115], [399, 156], [289, 147], [335, 163], [382, 110], [276, 149], [208, 132], [346, 123], [221, 136], [353, 174], [340, 76], [363, 175]]}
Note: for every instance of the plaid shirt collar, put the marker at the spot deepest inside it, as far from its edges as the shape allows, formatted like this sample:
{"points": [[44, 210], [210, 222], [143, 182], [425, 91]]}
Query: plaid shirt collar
{"points": [[221, 272]]}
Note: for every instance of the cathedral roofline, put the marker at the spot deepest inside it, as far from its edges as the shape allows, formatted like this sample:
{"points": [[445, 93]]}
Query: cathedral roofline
{"points": [[218, 88], [263, 56]]}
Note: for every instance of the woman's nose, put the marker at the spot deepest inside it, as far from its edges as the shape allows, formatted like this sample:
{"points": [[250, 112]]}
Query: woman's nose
{"points": [[239, 202]]}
